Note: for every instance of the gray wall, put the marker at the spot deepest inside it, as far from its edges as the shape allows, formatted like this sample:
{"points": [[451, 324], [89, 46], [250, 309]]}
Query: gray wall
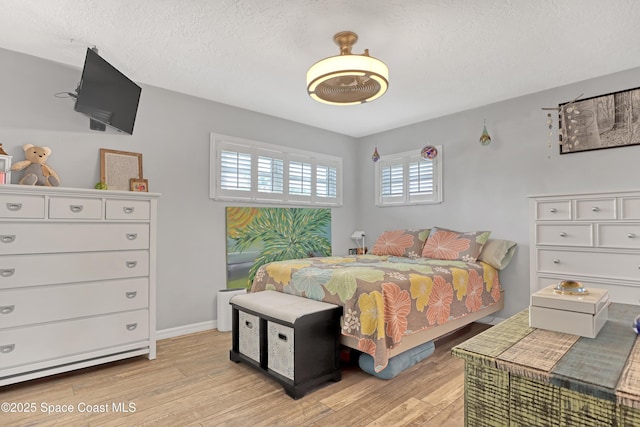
{"points": [[172, 132], [486, 187]]}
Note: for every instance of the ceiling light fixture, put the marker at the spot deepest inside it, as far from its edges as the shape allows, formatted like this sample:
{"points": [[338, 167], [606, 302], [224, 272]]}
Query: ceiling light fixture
{"points": [[347, 79]]}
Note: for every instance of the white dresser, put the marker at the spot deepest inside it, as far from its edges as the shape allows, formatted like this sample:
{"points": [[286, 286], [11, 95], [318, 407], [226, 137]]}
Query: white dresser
{"points": [[593, 238], [77, 279]]}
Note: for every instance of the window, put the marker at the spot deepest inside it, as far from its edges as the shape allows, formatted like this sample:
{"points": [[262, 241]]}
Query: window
{"points": [[408, 179], [251, 170]]}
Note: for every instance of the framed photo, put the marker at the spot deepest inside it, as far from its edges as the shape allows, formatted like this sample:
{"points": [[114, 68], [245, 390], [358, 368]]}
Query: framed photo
{"points": [[604, 121], [139, 184], [117, 168]]}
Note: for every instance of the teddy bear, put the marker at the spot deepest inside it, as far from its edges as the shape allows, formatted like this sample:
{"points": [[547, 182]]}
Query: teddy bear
{"points": [[36, 172]]}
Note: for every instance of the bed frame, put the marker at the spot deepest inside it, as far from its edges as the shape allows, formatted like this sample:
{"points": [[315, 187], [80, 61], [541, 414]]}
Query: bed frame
{"points": [[410, 341]]}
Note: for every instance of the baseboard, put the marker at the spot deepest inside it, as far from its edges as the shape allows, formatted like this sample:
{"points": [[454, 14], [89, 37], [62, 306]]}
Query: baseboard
{"points": [[186, 329], [212, 324]]}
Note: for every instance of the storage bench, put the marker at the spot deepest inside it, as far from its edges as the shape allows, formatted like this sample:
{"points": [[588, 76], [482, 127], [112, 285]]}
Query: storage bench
{"points": [[294, 340]]}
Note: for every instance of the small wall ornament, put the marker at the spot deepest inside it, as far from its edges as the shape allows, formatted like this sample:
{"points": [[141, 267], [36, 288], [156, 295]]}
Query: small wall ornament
{"points": [[429, 152], [485, 139], [375, 157]]}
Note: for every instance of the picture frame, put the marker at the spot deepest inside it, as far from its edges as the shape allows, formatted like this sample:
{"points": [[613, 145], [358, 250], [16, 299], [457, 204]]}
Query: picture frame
{"points": [[600, 122], [117, 168], [140, 185]]}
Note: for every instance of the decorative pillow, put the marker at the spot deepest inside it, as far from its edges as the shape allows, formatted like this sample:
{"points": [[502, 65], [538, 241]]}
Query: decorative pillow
{"points": [[405, 243], [454, 245], [497, 253]]}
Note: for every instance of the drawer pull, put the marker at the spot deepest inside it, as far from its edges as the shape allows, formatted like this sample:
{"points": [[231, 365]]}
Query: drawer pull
{"points": [[76, 208], [132, 236], [248, 324], [631, 235], [7, 272], [128, 209], [132, 264], [7, 348], [563, 234], [132, 326], [6, 309], [283, 337], [556, 261], [14, 206], [131, 294], [553, 210], [7, 238], [595, 209]]}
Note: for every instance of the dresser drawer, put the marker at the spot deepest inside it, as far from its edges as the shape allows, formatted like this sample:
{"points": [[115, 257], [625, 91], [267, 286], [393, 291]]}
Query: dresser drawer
{"points": [[596, 209], [75, 208], [625, 236], [630, 208], [555, 210], [622, 266], [26, 345], [29, 238], [564, 235], [31, 305], [48, 269], [128, 209], [18, 206]]}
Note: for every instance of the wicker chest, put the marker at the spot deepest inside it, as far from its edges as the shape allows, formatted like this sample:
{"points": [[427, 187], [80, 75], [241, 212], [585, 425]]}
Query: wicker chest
{"points": [[516, 375]]}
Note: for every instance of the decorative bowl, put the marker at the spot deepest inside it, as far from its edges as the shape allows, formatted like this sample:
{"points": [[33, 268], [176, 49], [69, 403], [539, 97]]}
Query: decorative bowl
{"points": [[570, 287]]}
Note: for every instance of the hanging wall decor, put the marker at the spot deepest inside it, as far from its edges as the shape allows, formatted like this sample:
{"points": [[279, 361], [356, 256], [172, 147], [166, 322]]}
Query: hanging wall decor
{"points": [[485, 139], [604, 121], [429, 152], [375, 157]]}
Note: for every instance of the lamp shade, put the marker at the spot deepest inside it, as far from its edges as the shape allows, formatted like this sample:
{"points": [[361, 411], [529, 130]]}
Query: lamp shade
{"points": [[348, 78]]}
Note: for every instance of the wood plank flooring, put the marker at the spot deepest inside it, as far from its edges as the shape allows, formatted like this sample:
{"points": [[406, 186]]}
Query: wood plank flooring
{"points": [[193, 383]]}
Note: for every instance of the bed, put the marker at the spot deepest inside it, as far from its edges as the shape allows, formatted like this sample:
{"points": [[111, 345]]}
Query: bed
{"points": [[416, 285]]}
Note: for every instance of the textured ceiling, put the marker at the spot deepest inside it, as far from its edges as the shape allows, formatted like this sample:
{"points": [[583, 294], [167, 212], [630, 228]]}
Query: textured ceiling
{"points": [[444, 56]]}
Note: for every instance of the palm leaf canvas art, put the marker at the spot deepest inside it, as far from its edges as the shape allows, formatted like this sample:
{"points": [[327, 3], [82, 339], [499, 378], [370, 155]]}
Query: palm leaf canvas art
{"points": [[256, 236]]}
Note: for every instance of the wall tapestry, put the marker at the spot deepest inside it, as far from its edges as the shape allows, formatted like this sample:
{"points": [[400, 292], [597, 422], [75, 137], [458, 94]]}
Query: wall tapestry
{"points": [[256, 236], [605, 121]]}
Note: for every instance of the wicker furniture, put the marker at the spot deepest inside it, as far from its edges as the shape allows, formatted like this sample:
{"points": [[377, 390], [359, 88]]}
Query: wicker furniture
{"points": [[521, 376]]}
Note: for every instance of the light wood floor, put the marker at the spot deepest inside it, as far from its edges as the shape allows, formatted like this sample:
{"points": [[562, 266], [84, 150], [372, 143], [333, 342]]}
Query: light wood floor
{"points": [[193, 383]]}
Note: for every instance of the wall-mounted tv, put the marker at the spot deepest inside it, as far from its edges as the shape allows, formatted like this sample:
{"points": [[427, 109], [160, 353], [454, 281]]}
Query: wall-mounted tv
{"points": [[106, 95]]}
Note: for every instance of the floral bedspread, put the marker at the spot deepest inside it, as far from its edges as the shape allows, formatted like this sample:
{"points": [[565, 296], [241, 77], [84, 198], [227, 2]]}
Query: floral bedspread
{"points": [[384, 297]]}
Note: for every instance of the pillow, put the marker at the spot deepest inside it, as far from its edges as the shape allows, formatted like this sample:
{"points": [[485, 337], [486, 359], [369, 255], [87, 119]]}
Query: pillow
{"points": [[404, 243], [454, 245], [497, 253]]}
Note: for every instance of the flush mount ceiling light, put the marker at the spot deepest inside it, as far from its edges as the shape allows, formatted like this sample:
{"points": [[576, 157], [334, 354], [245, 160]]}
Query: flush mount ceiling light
{"points": [[348, 78]]}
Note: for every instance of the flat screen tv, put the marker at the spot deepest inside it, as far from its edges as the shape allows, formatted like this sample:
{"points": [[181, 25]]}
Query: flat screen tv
{"points": [[106, 95]]}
